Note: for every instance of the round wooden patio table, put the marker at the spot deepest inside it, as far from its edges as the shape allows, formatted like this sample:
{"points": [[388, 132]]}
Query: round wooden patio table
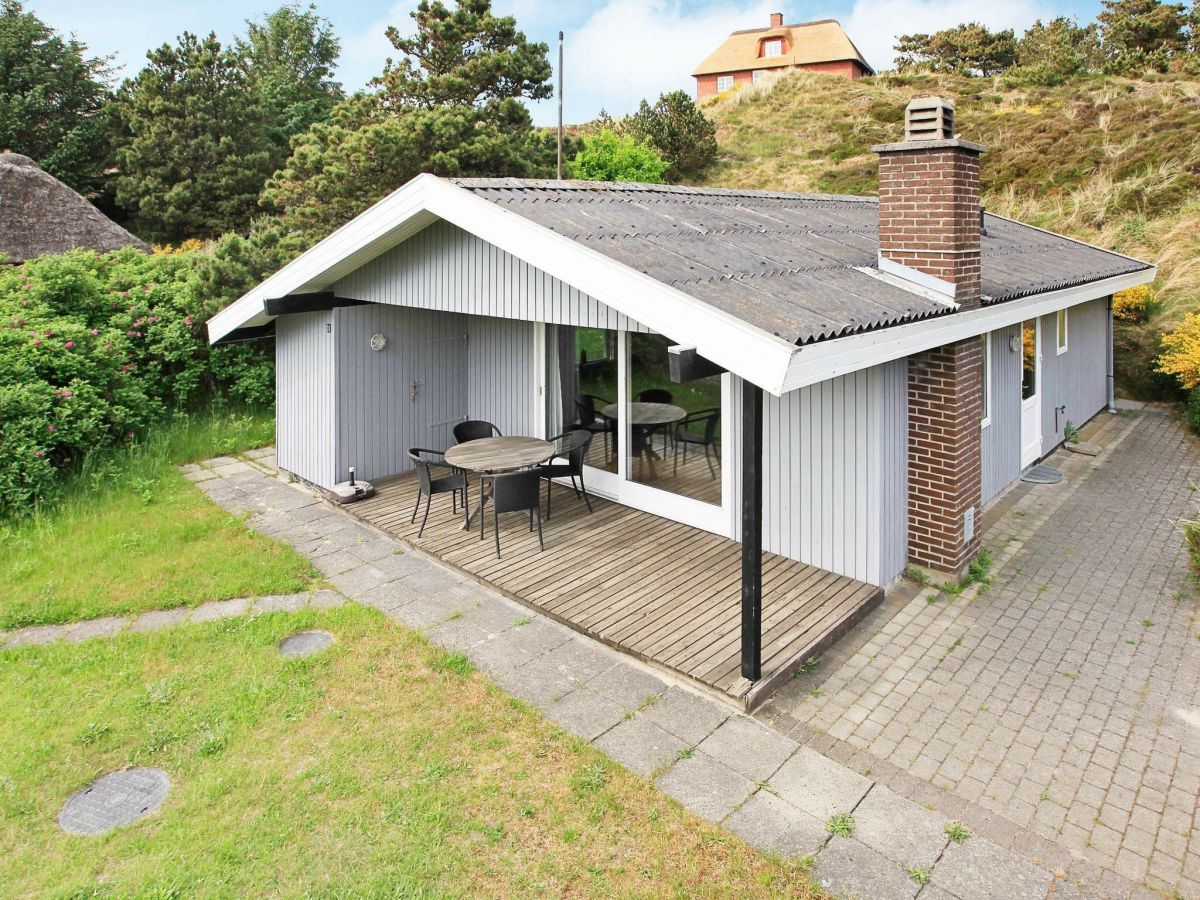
{"points": [[494, 455], [648, 418], [647, 415]]}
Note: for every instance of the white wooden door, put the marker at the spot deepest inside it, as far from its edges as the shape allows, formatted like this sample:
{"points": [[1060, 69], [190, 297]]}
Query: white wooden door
{"points": [[1031, 392]]}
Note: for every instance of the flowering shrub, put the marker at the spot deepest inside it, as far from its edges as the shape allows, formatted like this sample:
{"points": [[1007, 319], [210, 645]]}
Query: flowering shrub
{"points": [[1180, 354], [1133, 304], [94, 349]]}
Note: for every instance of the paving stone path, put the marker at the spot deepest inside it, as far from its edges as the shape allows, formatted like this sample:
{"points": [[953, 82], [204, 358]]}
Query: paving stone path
{"points": [[167, 618], [1057, 713], [776, 790]]}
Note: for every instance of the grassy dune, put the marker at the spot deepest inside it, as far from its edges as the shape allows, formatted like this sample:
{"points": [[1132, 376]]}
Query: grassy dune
{"points": [[1112, 161]]}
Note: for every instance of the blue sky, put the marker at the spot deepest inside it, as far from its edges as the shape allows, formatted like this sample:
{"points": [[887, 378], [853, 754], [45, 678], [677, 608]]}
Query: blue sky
{"points": [[618, 51]]}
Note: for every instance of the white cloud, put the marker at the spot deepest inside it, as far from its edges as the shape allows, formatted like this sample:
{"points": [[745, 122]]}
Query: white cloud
{"points": [[635, 49], [366, 49], [874, 25]]}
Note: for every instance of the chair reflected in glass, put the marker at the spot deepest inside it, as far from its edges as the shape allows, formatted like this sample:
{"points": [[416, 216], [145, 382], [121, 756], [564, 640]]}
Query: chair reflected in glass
{"points": [[699, 429], [589, 418], [474, 430], [512, 492], [428, 464], [571, 447]]}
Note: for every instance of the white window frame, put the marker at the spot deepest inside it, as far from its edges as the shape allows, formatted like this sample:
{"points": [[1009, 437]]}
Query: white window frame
{"points": [[757, 75], [726, 80], [768, 45], [1062, 330], [986, 419]]}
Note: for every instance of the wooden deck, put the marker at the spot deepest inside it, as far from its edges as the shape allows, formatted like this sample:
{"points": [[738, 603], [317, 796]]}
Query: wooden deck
{"points": [[664, 592]]}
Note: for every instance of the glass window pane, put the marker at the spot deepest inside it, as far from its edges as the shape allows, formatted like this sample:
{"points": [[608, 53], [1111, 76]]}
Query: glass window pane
{"points": [[1029, 350], [1062, 329], [581, 388], [675, 429]]}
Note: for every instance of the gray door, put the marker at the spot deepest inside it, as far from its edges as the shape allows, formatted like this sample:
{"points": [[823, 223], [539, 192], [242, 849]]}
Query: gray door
{"points": [[441, 389]]}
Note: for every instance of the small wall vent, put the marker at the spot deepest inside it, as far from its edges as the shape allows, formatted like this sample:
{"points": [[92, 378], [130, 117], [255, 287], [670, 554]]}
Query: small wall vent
{"points": [[929, 119]]}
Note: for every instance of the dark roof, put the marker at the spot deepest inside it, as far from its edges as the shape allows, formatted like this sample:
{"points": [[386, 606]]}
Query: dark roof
{"points": [[790, 264], [40, 215]]}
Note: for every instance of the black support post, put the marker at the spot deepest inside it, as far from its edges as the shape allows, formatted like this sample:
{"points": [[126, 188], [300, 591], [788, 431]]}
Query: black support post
{"points": [[752, 447]]}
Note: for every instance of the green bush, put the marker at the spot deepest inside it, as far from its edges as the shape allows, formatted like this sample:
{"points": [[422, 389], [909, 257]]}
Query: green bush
{"points": [[96, 348], [1192, 413]]}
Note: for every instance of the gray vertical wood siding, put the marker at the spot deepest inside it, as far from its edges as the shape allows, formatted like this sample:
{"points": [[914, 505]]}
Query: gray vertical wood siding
{"points": [[445, 268], [835, 482], [304, 401], [1076, 378], [500, 373], [1001, 440], [378, 418]]}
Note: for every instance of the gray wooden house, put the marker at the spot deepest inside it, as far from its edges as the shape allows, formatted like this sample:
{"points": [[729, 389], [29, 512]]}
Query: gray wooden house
{"points": [[880, 368]]}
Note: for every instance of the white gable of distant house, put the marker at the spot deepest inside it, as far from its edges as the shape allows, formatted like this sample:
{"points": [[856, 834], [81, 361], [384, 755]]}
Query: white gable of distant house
{"points": [[443, 267]]}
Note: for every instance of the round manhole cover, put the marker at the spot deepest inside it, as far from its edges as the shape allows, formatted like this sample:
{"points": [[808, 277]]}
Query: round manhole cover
{"points": [[114, 800], [305, 643]]}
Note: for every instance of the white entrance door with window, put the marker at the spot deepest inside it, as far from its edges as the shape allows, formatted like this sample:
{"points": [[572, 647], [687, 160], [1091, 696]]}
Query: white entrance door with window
{"points": [[1031, 392], [657, 445]]}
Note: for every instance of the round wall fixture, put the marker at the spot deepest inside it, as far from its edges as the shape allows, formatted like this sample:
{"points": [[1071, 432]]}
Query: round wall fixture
{"points": [[1014, 343], [378, 342]]}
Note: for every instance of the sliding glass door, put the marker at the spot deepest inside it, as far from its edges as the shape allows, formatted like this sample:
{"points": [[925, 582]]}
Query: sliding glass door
{"points": [[657, 445]]}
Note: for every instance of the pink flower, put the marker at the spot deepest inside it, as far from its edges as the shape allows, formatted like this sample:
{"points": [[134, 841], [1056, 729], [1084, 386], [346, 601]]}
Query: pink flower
{"points": [[37, 453], [70, 345], [95, 332], [36, 342], [51, 428], [187, 320]]}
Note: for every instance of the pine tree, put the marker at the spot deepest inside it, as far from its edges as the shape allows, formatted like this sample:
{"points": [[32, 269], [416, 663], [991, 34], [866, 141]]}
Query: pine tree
{"points": [[196, 151], [289, 56], [52, 100]]}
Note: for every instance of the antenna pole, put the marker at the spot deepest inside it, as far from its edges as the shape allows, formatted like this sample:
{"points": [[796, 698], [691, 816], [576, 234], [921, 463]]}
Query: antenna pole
{"points": [[560, 103]]}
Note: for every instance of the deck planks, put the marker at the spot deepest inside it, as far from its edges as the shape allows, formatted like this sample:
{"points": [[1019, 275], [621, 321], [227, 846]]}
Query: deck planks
{"points": [[660, 590]]}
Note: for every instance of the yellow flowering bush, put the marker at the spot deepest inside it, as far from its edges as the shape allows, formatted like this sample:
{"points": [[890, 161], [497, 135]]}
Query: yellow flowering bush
{"points": [[1181, 352], [1132, 304]]}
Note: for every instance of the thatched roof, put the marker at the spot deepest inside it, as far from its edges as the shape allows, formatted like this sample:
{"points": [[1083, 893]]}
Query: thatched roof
{"points": [[40, 215], [804, 43]]}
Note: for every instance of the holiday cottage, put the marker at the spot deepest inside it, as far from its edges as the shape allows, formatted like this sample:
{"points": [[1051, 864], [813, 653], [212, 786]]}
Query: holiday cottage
{"points": [[775, 402]]}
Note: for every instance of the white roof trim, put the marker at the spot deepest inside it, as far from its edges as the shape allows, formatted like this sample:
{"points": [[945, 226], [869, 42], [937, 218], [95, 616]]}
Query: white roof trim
{"points": [[829, 359], [750, 352]]}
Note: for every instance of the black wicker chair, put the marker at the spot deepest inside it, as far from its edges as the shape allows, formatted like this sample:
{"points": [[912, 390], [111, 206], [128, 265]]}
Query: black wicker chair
{"points": [[473, 430], [512, 492], [571, 446], [587, 408], [427, 462], [699, 429]]}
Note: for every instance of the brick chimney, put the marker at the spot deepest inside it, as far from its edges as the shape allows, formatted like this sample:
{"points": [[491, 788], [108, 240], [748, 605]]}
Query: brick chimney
{"points": [[929, 220], [776, 20]]}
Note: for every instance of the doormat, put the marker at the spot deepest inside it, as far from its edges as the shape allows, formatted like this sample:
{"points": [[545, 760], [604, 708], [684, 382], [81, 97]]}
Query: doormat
{"points": [[1042, 474]]}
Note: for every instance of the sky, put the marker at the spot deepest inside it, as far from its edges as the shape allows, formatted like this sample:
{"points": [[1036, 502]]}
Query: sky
{"points": [[617, 51]]}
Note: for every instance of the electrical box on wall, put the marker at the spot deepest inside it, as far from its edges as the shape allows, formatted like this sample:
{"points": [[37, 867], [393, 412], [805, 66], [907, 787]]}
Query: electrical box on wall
{"points": [[969, 525]]}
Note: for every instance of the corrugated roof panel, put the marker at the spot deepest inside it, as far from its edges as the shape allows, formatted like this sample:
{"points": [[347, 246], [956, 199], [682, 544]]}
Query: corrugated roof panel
{"points": [[786, 263]]}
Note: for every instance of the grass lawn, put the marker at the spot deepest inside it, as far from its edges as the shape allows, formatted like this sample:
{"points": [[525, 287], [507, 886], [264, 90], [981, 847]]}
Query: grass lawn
{"points": [[381, 767], [131, 534]]}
